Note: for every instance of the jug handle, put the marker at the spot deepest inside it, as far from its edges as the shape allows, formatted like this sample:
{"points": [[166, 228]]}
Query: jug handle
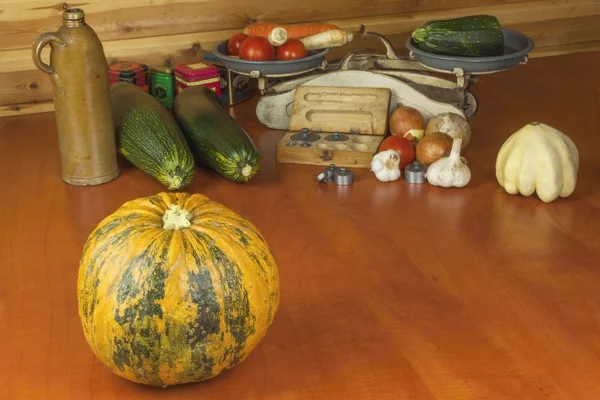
{"points": [[43, 40]]}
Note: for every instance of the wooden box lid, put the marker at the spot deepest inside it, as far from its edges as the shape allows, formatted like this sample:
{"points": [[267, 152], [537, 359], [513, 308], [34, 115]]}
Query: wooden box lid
{"points": [[341, 109]]}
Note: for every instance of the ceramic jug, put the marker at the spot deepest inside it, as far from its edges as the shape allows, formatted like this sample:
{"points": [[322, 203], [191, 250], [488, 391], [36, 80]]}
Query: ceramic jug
{"points": [[78, 72]]}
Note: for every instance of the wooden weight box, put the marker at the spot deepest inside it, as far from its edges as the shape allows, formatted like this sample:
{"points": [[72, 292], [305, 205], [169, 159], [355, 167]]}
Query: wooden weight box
{"points": [[335, 125]]}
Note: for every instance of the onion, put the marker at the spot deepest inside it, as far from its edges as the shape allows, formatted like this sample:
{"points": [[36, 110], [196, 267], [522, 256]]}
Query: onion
{"points": [[433, 147], [407, 122], [452, 124]]}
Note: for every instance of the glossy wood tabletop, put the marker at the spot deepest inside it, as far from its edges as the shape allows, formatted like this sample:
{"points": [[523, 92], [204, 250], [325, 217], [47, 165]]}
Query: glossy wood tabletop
{"points": [[388, 291]]}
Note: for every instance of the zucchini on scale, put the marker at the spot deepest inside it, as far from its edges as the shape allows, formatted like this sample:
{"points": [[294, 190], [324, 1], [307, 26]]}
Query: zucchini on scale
{"points": [[471, 36]]}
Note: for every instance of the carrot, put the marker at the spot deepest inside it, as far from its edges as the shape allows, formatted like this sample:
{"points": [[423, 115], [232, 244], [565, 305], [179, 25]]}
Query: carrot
{"points": [[295, 31], [260, 29]]}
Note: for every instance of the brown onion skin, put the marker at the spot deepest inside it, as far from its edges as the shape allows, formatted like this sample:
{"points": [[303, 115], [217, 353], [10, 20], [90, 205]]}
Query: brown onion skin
{"points": [[432, 147], [403, 119]]}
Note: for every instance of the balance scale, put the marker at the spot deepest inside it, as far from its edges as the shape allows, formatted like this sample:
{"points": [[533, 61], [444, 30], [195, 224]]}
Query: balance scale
{"points": [[412, 80]]}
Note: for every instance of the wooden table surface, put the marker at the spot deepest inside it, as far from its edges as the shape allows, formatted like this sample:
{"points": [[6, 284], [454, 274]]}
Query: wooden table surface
{"points": [[388, 291]]}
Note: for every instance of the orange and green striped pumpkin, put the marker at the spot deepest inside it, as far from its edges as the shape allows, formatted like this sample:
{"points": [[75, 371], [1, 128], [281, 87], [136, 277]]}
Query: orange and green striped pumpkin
{"points": [[175, 288]]}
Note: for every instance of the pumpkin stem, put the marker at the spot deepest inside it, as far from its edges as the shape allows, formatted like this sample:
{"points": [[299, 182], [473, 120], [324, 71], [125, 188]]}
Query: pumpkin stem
{"points": [[176, 218]]}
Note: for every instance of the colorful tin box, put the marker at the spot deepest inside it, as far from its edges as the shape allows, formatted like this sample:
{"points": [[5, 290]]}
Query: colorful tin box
{"points": [[134, 73], [162, 85], [235, 88], [202, 73]]}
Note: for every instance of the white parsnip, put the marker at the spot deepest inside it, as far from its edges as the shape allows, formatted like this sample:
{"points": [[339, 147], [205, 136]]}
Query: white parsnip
{"points": [[278, 36], [330, 38]]}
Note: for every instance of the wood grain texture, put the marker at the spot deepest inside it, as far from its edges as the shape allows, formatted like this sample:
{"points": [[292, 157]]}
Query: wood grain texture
{"points": [[22, 21], [24, 86], [389, 291], [26, 108], [151, 51], [347, 109], [540, 19], [571, 48]]}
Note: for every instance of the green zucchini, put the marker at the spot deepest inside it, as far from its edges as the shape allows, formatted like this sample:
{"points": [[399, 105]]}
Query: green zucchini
{"points": [[471, 36], [148, 136], [216, 139]]}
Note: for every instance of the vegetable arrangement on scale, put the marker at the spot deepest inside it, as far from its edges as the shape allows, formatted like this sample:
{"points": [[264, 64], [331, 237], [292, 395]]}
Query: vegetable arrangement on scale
{"points": [[462, 47], [438, 143], [465, 47], [264, 51], [448, 46], [536, 159], [268, 42]]}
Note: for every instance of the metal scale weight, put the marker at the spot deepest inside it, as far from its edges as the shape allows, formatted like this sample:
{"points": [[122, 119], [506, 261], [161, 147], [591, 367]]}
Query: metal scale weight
{"points": [[431, 83]]}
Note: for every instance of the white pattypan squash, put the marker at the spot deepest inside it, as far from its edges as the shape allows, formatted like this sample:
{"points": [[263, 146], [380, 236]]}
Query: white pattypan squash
{"points": [[538, 158]]}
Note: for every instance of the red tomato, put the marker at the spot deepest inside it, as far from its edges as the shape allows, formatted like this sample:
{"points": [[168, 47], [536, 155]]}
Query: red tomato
{"points": [[234, 43], [291, 50], [402, 146], [256, 48]]}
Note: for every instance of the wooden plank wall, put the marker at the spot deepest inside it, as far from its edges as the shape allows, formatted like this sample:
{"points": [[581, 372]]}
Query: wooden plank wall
{"points": [[173, 31]]}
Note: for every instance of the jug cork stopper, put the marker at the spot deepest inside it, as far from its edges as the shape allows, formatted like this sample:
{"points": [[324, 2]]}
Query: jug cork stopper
{"points": [[74, 14]]}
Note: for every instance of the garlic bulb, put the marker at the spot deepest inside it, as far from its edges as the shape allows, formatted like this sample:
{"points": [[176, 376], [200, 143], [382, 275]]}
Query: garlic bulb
{"points": [[538, 158], [386, 166], [452, 124], [451, 171]]}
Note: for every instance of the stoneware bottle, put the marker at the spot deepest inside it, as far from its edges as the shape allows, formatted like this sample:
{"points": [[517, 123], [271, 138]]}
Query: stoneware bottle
{"points": [[79, 74]]}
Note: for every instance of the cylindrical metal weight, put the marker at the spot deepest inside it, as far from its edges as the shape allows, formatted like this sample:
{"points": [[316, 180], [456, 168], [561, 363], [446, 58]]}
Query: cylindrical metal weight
{"points": [[343, 177], [415, 173]]}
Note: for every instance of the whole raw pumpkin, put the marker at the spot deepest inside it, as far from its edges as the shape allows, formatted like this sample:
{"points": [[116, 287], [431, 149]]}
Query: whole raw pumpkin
{"points": [[175, 288]]}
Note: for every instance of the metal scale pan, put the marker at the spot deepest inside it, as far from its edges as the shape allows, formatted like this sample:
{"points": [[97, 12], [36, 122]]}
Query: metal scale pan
{"points": [[516, 48], [271, 69], [415, 70]]}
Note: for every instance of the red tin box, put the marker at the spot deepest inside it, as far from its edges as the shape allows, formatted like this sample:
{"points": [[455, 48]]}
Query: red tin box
{"points": [[202, 73], [134, 73]]}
